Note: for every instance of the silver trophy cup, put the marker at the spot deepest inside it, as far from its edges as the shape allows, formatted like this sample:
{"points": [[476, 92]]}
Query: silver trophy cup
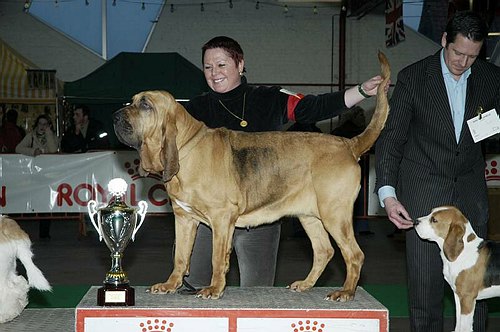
{"points": [[117, 224]]}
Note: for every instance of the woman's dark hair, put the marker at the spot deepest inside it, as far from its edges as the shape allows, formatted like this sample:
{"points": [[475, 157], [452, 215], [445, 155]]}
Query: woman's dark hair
{"points": [[229, 45], [42, 116], [467, 23], [11, 115]]}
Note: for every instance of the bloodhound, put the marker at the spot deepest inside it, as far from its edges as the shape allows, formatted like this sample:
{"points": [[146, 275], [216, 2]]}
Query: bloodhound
{"points": [[227, 179]]}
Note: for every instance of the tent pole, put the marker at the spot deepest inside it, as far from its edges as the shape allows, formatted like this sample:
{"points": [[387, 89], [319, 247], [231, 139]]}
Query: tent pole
{"points": [[104, 31]]}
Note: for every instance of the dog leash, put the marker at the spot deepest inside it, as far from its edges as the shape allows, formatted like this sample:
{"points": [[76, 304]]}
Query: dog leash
{"points": [[189, 289]]}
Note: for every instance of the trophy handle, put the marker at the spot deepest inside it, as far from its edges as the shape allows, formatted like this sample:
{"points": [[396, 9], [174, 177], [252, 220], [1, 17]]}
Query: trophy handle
{"points": [[143, 207], [92, 208]]}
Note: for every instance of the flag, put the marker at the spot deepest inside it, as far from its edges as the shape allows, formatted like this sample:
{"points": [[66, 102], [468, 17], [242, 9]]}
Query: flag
{"points": [[394, 27]]}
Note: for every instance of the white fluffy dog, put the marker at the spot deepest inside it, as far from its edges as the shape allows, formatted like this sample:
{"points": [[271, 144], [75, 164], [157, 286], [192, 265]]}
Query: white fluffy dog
{"points": [[16, 244]]}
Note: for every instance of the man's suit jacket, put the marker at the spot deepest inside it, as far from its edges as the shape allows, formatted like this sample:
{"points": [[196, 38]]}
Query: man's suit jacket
{"points": [[417, 152], [77, 143]]}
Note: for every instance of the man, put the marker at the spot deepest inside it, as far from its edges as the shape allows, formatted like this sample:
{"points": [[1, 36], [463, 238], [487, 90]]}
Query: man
{"points": [[426, 156], [85, 134]]}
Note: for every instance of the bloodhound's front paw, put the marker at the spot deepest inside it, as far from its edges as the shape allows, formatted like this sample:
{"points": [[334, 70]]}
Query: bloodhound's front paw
{"points": [[210, 293], [300, 286], [340, 296], [163, 288]]}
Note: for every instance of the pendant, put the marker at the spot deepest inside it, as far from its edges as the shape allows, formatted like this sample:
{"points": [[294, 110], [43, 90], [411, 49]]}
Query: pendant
{"points": [[243, 123]]}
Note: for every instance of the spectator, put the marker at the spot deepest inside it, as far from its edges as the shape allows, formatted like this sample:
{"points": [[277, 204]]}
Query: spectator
{"points": [[41, 140], [11, 134], [85, 134]]}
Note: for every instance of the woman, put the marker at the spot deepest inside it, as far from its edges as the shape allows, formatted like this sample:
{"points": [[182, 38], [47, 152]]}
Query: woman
{"points": [[233, 104], [41, 140]]}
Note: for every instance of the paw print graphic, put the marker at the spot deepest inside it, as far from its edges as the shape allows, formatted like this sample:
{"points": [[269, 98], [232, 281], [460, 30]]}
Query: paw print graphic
{"points": [[156, 325], [308, 326], [133, 170], [492, 172]]}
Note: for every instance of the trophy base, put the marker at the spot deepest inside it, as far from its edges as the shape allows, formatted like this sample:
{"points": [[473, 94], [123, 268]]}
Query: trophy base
{"points": [[116, 295]]}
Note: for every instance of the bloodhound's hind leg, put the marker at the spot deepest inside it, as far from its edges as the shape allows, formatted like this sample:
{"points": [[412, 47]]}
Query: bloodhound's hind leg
{"points": [[185, 234], [340, 228], [322, 252]]}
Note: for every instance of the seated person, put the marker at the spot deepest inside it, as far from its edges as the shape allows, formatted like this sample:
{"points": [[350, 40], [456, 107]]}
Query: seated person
{"points": [[85, 134], [11, 134], [41, 140]]}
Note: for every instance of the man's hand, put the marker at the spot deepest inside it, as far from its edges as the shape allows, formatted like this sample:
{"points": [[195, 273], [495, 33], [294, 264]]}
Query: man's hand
{"points": [[397, 213], [78, 128]]}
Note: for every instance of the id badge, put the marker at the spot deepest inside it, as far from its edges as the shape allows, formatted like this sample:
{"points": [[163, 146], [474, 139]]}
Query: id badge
{"points": [[484, 125]]}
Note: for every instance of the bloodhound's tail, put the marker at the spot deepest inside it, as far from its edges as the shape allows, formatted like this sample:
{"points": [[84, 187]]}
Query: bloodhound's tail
{"points": [[364, 141]]}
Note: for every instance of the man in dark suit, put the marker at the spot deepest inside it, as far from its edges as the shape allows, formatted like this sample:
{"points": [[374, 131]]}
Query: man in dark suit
{"points": [[85, 133], [426, 157]]}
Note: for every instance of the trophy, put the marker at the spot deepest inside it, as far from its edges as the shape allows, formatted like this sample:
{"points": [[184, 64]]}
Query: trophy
{"points": [[117, 223]]}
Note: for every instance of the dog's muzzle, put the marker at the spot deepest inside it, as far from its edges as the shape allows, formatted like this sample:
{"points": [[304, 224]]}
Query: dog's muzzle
{"points": [[123, 129]]}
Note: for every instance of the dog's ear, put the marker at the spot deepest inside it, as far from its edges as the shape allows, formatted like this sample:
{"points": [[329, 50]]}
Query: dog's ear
{"points": [[170, 153], [149, 155], [454, 244]]}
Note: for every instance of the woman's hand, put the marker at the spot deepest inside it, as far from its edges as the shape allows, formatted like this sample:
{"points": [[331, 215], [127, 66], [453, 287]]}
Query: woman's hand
{"points": [[353, 96], [370, 87]]}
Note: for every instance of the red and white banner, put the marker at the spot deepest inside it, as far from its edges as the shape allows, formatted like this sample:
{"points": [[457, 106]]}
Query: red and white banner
{"points": [[66, 183]]}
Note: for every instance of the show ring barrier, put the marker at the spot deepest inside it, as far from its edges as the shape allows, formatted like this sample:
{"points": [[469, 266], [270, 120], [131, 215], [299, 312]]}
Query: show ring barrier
{"points": [[250, 309]]}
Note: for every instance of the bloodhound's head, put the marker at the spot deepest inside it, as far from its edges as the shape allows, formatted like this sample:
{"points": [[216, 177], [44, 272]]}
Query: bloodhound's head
{"points": [[445, 225], [148, 125]]}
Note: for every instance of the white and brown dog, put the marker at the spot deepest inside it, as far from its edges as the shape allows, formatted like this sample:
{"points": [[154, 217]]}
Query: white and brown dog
{"points": [[16, 244], [471, 265]]}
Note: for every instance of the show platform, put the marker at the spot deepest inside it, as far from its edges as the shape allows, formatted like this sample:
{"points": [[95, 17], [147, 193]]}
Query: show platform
{"points": [[255, 309]]}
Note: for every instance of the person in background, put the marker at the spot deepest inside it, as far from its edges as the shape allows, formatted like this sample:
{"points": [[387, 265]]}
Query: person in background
{"points": [[85, 134], [234, 104], [426, 157], [41, 140], [10, 133]]}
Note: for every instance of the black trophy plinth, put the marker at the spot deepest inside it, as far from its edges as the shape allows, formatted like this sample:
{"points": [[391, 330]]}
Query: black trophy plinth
{"points": [[116, 295]]}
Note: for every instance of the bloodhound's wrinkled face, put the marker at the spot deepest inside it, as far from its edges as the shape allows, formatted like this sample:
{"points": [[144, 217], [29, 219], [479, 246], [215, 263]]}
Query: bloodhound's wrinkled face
{"points": [[446, 226], [148, 125]]}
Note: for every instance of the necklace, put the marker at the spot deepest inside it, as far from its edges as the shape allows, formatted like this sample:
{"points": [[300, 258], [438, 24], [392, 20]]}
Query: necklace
{"points": [[243, 123]]}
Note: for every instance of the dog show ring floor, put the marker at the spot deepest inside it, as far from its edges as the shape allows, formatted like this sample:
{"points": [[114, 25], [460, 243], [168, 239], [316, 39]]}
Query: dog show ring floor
{"points": [[75, 265]]}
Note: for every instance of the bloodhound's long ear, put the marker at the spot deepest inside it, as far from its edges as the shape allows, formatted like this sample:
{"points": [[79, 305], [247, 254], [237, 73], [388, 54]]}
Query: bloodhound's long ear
{"points": [[149, 153], [454, 244], [170, 153]]}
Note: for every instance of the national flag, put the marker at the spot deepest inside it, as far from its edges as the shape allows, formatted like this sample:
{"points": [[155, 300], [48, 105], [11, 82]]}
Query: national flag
{"points": [[394, 27]]}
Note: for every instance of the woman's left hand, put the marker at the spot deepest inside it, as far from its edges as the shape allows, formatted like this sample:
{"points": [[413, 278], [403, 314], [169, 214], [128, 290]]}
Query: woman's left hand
{"points": [[370, 86], [353, 95]]}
